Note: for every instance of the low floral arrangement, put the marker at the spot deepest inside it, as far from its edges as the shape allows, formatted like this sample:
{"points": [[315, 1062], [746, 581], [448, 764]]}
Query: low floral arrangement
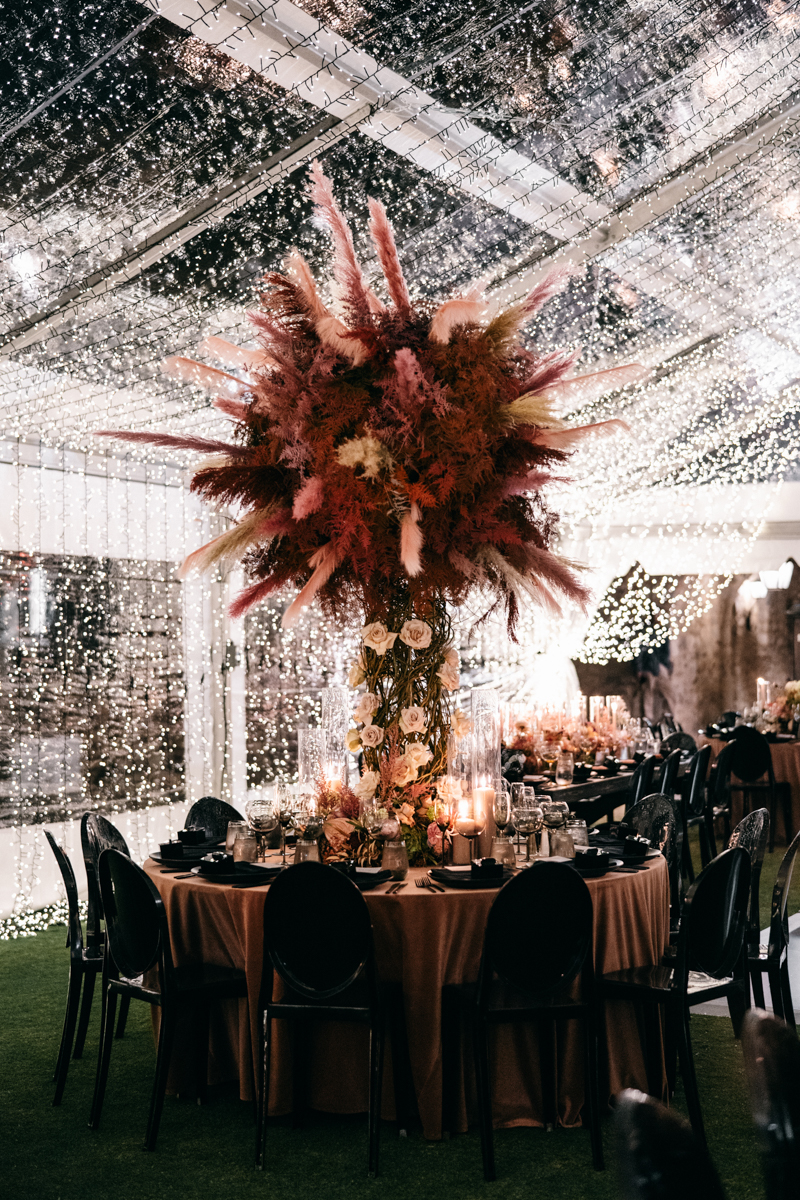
{"points": [[389, 457], [582, 740]]}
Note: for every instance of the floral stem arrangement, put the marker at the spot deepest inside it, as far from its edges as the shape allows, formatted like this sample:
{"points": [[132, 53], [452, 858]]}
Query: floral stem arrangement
{"points": [[388, 458]]}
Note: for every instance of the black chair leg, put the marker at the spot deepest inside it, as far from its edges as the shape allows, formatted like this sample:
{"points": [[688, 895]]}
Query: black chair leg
{"points": [[775, 992], [451, 1031], [687, 866], [787, 1004], [711, 837], [686, 1058], [124, 1005], [376, 1039], [68, 1032], [593, 1090], [401, 1062], [86, 1012], [757, 987], [103, 1055], [739, 997], [263, 1093], [299, 1074], [166, 1037], [484, 1087]]}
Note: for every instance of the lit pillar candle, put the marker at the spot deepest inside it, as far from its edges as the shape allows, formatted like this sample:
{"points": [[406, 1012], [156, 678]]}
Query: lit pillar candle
{"points": [[465, 825]]}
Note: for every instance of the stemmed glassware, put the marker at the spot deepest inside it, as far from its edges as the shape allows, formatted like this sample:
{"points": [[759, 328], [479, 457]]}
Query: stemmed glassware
{"points": [[527, 818], [443, 815], [260, 813], [549, 755], [502, 849], [284, 811]]}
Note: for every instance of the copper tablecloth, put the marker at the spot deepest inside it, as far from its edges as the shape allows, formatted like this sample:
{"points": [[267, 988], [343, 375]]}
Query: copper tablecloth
{"points": [[424, 940], [785, 765]]}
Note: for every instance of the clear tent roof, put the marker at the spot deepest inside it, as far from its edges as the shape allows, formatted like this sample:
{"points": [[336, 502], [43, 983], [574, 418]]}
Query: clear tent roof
{"points": [[154, 166]]}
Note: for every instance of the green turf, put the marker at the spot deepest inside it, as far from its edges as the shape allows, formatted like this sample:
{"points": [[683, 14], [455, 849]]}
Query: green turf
{"points": [[50, 1154]]}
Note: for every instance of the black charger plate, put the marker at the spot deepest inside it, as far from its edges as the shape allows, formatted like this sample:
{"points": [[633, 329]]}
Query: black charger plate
{"points": [[367, 880], [242, 872], [463, 879]]}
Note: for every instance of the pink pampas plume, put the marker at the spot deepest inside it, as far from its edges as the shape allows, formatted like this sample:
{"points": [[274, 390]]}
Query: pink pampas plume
{"points": [[411, 542], [231, 544], [250, 596], [298, 269], [244, 357], [324, 562], [186, 370], [309, 498], [554, 282], [176, 442], [231, 408], [584, 388], [463, 310], [383, 237], [346, 268], [330, 329], [563, 439]]}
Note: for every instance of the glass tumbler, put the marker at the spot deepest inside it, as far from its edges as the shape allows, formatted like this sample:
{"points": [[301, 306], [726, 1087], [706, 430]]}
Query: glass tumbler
{"points": [[235, 829], [578, 830], [565, 768], [306, 852], [245, 846], [395, 859]]}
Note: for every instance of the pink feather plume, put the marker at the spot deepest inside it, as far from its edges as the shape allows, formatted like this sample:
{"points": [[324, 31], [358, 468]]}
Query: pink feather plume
{"points": [[411, 542], [585, 388], [309, 498], [251, 595], [346, 268], [554, 282], [563, 439], [203, 445], [231, 408], [383, 237], [244, 357], [186, 370], [463, 310], [324, 562]]}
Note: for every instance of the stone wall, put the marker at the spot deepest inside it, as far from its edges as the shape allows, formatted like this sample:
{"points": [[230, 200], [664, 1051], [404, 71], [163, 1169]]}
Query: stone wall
{"points": [[714, 664]]}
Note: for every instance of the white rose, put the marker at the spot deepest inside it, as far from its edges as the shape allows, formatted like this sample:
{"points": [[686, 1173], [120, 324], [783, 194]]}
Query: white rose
{"points": [[372, 736], [418, 755], [460, 724], [404, 771], [412, 720], [367, 785], [451, 657], [449, 676], [357, 674], [367, 706], [377, 637], [353, 741], [416, 634]]}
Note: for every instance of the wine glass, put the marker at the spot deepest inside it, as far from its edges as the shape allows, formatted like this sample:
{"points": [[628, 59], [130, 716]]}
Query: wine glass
{"points": [[549, 755], [525, 822], [261, 816], [501, 808], [282, 809]]}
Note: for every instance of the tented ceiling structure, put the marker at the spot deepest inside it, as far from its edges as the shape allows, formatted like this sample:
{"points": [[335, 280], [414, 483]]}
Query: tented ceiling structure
{"points": [[154, 162], [154, 166]]}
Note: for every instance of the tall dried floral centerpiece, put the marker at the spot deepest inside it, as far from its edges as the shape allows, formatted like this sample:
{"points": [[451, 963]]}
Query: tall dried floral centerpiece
{"points": [[389, 459]]}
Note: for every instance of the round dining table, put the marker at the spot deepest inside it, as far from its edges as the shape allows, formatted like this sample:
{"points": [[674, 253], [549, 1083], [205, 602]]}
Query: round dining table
{"points": [[423, 941]]}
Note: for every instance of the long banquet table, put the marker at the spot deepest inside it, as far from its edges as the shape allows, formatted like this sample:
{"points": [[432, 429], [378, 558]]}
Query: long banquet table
{"points": [[423, 940]]}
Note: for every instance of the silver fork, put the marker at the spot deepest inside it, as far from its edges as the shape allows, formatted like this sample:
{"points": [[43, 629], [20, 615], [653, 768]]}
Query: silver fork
{"points": [[424, 882]]}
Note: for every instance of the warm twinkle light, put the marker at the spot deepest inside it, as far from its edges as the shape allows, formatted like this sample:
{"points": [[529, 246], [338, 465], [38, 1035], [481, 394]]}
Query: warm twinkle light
{"points": [[496, 152]]}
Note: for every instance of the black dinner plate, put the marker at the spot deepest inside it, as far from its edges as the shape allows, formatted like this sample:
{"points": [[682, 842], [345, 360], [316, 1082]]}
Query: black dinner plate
{"points": [[366, 880], [463, 879], [191, 855], [242, 872]]}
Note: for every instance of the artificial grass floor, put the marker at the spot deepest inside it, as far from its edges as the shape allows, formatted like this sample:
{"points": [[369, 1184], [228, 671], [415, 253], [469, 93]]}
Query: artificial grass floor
{"points": [[50, 1153]]}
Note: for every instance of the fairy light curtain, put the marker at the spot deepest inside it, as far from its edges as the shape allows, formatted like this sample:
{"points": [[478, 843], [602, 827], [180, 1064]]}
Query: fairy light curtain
{"points": [[500, 139]]}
